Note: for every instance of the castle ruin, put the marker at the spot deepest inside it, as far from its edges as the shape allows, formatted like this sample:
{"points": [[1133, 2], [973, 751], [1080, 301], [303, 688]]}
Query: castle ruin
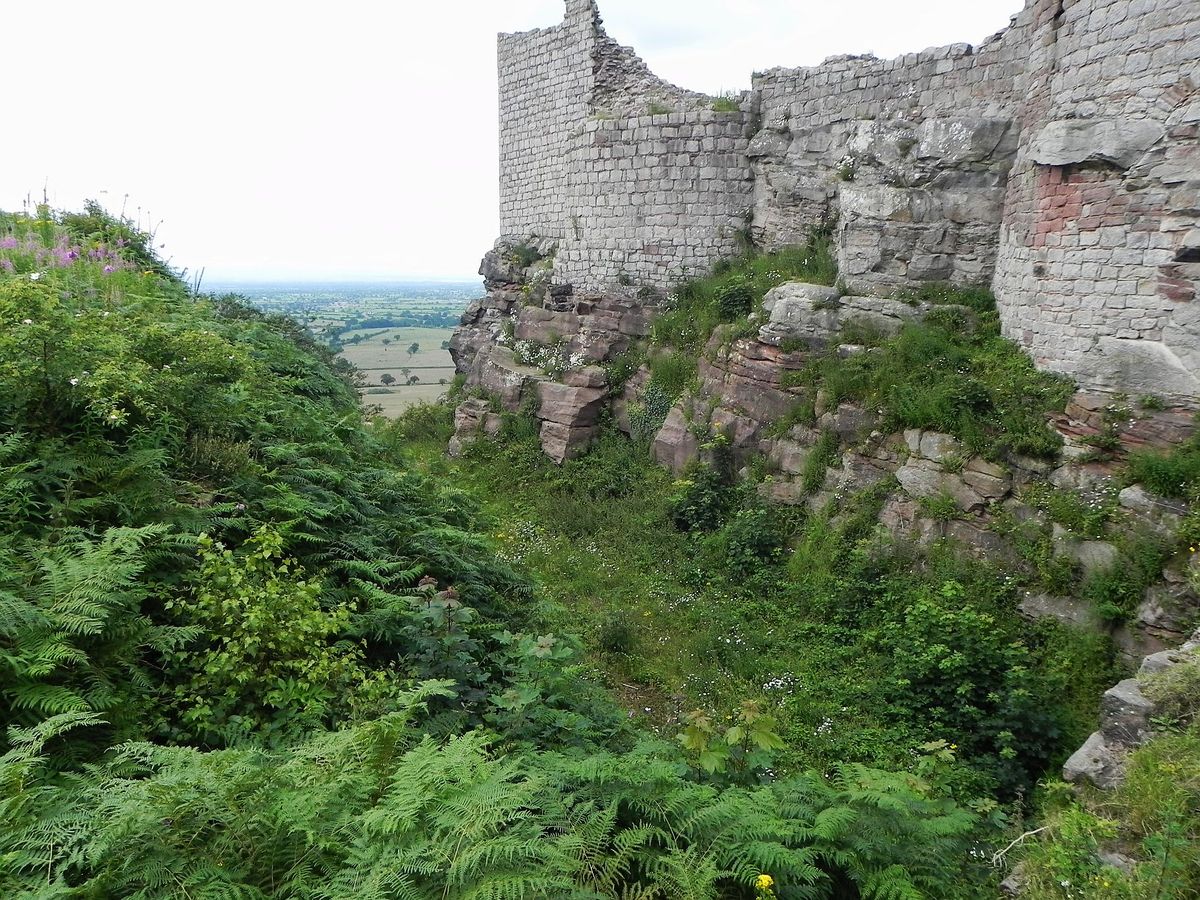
{"points": [[1058, 162]]}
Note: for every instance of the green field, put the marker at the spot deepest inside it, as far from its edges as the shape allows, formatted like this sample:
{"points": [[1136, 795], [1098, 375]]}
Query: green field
{"points": [[373, 327], [385, 351]]}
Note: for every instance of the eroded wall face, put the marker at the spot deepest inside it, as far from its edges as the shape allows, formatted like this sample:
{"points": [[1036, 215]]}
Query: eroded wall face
{"points": [[1094, 276], [909, 156]]}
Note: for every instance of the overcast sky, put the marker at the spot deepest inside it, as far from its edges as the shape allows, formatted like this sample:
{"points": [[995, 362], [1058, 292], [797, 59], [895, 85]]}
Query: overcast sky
{"points": [[346, 139]]}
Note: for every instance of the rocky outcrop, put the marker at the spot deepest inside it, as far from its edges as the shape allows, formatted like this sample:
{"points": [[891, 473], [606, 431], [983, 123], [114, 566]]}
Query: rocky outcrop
{"points": [[1126, 722], [535, 347], [473, 419], [815, 315], [543, 357]]}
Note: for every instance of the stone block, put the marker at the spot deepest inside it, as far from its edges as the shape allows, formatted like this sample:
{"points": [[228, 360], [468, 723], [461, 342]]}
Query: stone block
{"points": [[1095, 763]]}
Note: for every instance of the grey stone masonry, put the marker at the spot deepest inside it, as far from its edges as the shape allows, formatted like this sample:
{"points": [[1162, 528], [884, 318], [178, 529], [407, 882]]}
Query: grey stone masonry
{"points": [[637, 180], [1058, 162]]}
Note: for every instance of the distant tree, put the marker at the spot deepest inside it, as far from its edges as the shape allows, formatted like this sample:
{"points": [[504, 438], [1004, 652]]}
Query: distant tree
{"points": [[413, 348], [387, 378], [387, 341], [445, 345], [404, 370], [413, 379], [441, 381]]}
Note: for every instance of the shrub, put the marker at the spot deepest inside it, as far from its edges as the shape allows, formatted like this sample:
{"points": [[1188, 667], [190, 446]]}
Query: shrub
{"points": [[700, 500], [1175, 474], [823, 455], [264, 655], [752, 539], [735, 298], [648, 413], [616, 634], [971, 683], [694, 310]]}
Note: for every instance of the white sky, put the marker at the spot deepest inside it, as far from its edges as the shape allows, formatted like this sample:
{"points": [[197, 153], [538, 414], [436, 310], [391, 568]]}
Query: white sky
{"points": [[347, 139]]}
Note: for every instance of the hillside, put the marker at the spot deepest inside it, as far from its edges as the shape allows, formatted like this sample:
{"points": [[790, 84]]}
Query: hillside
{"points": [[248, 651]]}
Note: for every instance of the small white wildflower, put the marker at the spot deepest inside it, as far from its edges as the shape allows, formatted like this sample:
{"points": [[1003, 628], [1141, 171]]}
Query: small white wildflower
{"points": [[34, 276], [74, 382], [27, 321]]}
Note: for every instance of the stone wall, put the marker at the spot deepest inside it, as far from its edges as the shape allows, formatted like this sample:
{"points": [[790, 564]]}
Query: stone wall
{"points": [[1100, 222], [1059, 161], [658, 196], [635, 178], [910, 155], [545, 79]]}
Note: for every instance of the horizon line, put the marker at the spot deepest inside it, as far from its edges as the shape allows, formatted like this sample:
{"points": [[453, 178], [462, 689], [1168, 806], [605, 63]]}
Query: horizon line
{"points": [[397, 279]]}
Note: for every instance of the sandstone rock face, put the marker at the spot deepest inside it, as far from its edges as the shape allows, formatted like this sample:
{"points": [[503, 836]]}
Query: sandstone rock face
{"points": [[1097, 763], [816, 315], [936, 467], [676, 444], [1155, 513], [1126, 722], [534, 345], [472, 419], [1068, 610], [497, 371], [1120, 142]]}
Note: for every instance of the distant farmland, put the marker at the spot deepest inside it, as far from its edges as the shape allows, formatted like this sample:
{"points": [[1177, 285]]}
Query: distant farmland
{"points": [[375, 326]]}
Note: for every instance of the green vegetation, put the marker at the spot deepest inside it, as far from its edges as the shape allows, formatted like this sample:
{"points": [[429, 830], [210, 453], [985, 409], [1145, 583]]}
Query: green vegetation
{"points": [[1152, 819], [726, 103], [807, 615], [1175, 474], [246, 650], [951, 372], [1087, 517], [253, 646], [735, 288]]}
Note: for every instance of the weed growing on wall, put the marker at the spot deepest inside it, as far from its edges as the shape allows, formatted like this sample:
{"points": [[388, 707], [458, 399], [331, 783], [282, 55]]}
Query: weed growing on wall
{"points": [[952, 373], [736, 288]]}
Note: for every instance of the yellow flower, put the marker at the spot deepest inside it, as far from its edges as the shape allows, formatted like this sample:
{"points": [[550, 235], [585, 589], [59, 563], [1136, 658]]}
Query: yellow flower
{"points": [[764, 882]]}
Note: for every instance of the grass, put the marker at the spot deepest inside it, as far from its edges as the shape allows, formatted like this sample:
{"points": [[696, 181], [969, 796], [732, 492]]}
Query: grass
{"points": [[672, 372], [377, 352], [824, 454], [1175, 474], [697, 309], [952, 373], [799, 619], [726, 103], [1153, 819], [1087, 517]]}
